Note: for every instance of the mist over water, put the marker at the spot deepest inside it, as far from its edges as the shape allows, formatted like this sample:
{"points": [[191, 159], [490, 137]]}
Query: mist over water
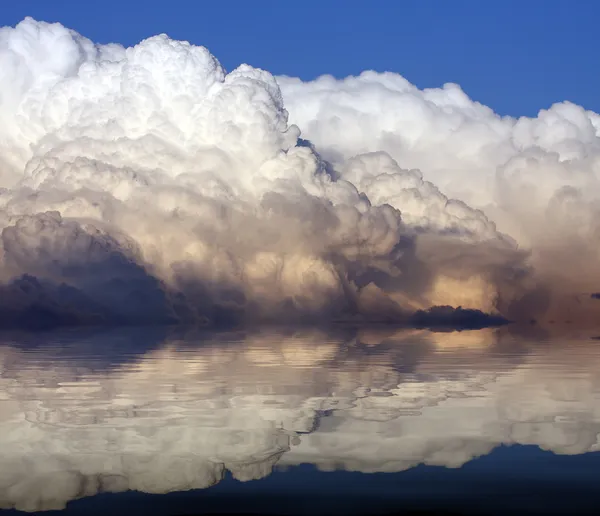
{"points": [[84, 413], [149, 185]]}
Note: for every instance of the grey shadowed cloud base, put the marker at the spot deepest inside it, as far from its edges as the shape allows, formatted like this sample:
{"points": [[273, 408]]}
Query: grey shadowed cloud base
{"points": [[146, 184]]}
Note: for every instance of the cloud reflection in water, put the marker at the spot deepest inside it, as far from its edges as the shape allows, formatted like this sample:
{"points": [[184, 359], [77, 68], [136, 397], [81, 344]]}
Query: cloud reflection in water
{"points": [[86, 413]]}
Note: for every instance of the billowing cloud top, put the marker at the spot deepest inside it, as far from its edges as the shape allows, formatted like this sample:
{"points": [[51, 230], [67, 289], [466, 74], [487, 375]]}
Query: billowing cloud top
{"points": [[147, 184]]}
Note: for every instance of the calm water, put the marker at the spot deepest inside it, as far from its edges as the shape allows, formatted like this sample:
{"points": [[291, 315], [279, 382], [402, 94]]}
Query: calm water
{"points": [[290, 422]]}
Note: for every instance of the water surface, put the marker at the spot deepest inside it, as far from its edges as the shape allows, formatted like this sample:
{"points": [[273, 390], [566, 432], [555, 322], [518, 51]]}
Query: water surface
{"points": [[142, 421]]}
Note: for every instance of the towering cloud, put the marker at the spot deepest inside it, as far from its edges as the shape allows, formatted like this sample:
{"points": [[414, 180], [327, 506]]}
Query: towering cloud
{"points": [[147, 184], [536, 179]]}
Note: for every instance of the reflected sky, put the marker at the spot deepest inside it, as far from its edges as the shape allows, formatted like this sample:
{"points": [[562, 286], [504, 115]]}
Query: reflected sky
{"points": [[85, 413]]}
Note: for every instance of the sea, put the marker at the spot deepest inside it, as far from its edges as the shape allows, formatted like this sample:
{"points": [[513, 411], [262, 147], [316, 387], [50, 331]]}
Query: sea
{"points": [[291, 421]]}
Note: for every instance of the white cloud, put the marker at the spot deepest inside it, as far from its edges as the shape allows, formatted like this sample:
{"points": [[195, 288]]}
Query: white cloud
{"points": [[200, 171]]}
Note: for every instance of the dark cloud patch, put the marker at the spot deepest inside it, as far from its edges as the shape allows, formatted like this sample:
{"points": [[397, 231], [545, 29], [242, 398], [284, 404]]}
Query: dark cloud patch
{"points": [[442, 317], [72, 275]]}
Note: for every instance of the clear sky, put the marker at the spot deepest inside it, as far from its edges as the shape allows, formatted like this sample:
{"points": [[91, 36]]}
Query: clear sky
{"points": [[515, 56]]}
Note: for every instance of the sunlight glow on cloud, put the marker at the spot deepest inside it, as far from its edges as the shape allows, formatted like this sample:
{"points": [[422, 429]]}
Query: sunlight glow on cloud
{"points": [[147, 184]]}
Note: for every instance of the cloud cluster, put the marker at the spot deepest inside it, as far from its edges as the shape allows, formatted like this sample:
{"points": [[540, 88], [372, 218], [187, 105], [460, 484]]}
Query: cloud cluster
{"points": [[75, 423], [152, 185], [537, 178]]}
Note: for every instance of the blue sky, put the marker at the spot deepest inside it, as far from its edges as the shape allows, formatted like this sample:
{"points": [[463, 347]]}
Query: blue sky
{"points": [[515, 56]]}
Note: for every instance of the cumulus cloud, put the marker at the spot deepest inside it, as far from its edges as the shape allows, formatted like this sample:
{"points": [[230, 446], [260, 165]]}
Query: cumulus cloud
{"points": [[159, 187], [536, 179]]}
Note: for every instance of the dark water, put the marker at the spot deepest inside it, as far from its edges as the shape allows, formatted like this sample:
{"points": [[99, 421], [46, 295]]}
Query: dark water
{"points": [[153, 422]]}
